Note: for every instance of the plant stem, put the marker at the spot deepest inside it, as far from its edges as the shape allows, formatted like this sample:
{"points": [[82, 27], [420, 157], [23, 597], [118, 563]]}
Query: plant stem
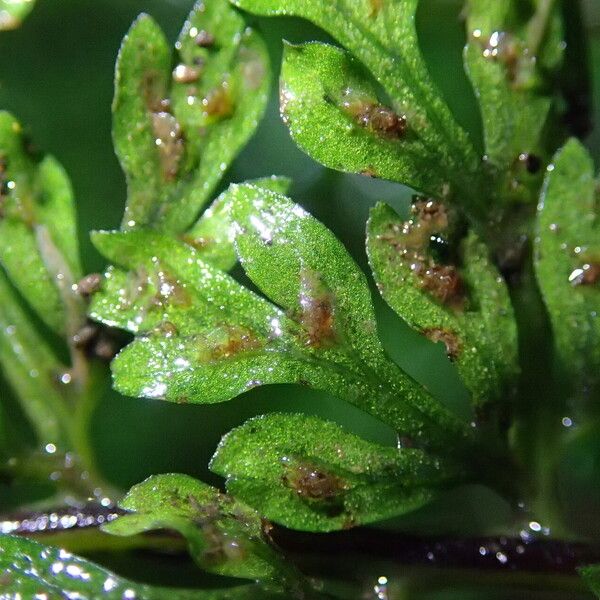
{"points": [[538, 26]]}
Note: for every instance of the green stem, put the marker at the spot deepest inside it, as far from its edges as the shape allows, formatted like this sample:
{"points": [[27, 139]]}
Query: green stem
{"points": [[538, 26]]}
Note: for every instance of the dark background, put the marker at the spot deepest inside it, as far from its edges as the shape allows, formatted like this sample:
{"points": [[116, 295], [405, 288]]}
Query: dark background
{"points": [[56, 77]]}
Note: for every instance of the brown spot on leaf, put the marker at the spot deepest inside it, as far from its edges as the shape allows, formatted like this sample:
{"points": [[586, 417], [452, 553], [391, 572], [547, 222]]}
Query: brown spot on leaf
{"points": [[170, 143], [204, 39], [413, 239], [444, 282], [376, 6], [153, 89], [89, 285], [313, 483], [378, 118], [186, 74], [218, 102], [229, 341], [447, 337], [167, 329], [199, 243], [317, 314], [587, 274]]}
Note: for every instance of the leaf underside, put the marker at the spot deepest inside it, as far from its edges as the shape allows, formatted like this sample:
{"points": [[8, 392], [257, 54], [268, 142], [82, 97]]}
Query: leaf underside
{"points": [[176, 131], [567, 261], [309, 474]]}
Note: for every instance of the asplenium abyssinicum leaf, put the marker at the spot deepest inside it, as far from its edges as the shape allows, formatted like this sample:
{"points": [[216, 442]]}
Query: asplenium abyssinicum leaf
{"points": [[383, 37], [224, 536], [13, 12], [31, 367], [567, 260], [203, 337], [29, 569], [38, 236], [507, 58], [212, 234], [177, 130], [310, 474], [322, 287], [461, 301], [334, 114]]}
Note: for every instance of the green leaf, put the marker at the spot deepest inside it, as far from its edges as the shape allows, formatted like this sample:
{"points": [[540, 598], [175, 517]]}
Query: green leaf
{"points": [[319, 283], [334, 114], [568, 266], [508, 62], [381, 35], [29, 569], [142, 77], [176, 132], [461, 301], [224, 536], [591, 575], [212, 235], [309, 474], [13, 12], [38, 239], [202, 337], [31, 368]]}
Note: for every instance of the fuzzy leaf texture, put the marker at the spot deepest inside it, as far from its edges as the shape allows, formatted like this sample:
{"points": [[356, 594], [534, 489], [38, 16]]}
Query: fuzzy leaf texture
{"points": [[31, 368], [224, 536], [309, 474], [324, 93], [202, 337], [177, 130], [510, 58], [29, 569], [568, 268], [38, 236], [13, 12], [460, 301], [213, 236]]}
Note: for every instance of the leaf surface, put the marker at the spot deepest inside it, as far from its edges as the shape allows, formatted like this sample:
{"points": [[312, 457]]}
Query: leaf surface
{"points": [[190, 121], [509, 58], [567, 263], [30, 569], [224, 536], [212, 235], [382, 36], [202, 337], [461, 302], [309, 474], [30, 367], [38, 236]]}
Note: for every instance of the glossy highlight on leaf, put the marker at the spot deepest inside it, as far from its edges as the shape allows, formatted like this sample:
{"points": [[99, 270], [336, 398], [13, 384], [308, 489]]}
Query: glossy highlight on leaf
{"points": [[334, 114], [13, 12], [38, 239], [212, 235], [462, 303], [383, 37], [309, 474], [31, 570], [224, 535], [202, 337], [568, 266], [509, 76], [176, 130]]}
